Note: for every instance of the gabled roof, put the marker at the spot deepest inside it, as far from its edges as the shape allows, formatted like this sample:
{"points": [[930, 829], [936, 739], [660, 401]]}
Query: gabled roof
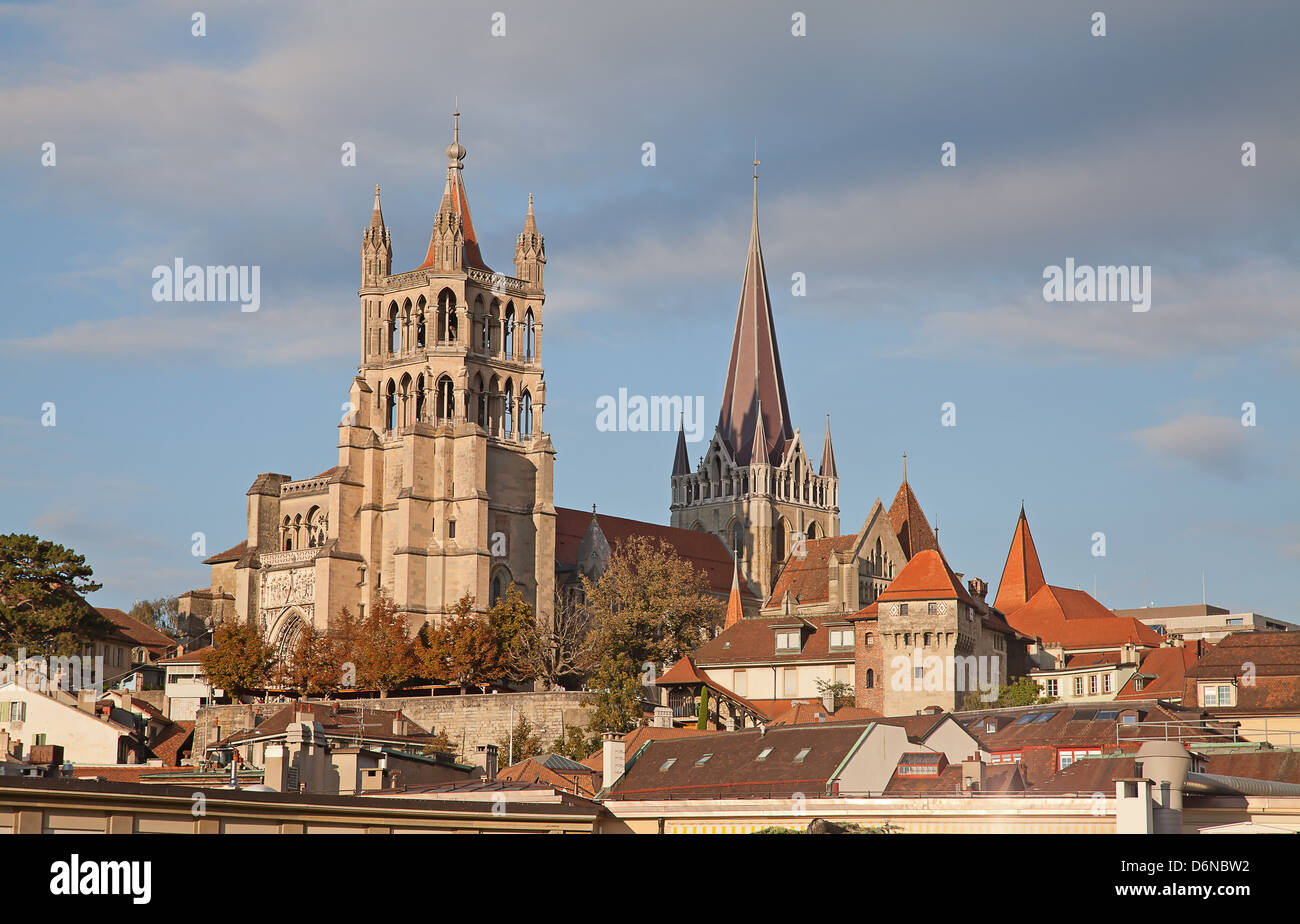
{"points": [[926, 576], [909, 522], [1073, 619], [684, 672], [1274, 659], [1163, 673], [754, 641], [808, 579], [754, 383], [137, 633], [230, 554], [568, 776], [1022, 575], [734, 767], [704, 551]]}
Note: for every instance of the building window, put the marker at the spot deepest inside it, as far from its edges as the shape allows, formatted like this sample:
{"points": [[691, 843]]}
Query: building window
{"points": [[764, 754], [803, 752], [1219, 695], [703, 760], [902, 609], [667, 764], [1237, 621], [932, 609], [790, 682], [1107, 683], [740, 683], [871, 679], [1092, 683], [841, 638], [1078, 686], [1066, 757], [842, 674], [1053, 687], [787, 641], [451, 529], [871, 639]]}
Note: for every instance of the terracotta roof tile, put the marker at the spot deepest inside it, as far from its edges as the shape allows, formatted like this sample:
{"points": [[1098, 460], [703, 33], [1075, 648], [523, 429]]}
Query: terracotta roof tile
{"points": [[1022, 575], [1074, 619], [909, 522], [754, 641], [807, 579], [926, 575]]}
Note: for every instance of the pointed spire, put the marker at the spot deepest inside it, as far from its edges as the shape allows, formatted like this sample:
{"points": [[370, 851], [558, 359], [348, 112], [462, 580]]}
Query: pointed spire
{"points": [[454, 210], [1022, 576], [377, 213], [828, 453], [759, 452], [530, 249], [909, 523], [681, 461], [735, 610], [754, 375], [530, 220]]}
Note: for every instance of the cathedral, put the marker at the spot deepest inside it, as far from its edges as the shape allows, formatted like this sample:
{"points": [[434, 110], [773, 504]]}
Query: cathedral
{"points": [[443, 484]]}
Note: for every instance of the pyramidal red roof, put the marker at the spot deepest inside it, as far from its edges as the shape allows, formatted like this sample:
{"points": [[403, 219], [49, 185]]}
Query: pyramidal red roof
{"points": [[909, 522], [453, 197], [755, 384], [1022, 576], [927, 575], [1074, 619]]}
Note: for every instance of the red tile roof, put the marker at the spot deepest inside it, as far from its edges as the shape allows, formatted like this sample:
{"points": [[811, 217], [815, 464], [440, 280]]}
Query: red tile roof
{"points": [[633, 740], [1163, 671], [1271, 659], [909, 522], [1074, 619], [1022, 575], [811, 713], [585, 783], [137, 633], [735, 609], [190, 657], [808, 579], [926, 576], [460, 204], [168, 746], [230, 554], [684, 673], [752, 641], [704, 551]]}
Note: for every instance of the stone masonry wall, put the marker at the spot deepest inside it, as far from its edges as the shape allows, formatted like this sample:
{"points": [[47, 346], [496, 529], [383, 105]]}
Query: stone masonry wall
{"points": [[470, 720]]}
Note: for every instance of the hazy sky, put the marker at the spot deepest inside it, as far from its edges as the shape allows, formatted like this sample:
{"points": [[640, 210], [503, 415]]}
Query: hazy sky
{"points": [[924, 282]]}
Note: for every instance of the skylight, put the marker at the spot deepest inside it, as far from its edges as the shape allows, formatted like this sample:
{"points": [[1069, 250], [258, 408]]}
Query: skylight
{"points": [[1026, 718], [804, 752], [668, 763], [763, 754], [1043, 717], [1111, 714], [703, 760]]}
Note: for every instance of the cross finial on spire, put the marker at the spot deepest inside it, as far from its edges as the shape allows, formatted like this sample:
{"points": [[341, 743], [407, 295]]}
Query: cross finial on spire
{"points": [[905, 468]]}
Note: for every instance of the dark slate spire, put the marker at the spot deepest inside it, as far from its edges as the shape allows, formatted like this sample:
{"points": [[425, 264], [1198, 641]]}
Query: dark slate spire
{"points": [[828, 453], [681, 462], [754, 379]]}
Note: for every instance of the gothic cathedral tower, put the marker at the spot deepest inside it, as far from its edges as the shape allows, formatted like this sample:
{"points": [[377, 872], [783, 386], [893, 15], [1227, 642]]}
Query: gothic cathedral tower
{"points": [[451, 471], [755, 488]]}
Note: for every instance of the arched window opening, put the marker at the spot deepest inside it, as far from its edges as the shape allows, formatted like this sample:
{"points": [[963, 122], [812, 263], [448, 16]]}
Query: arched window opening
{"points": [[870, 679], [508, 332], [419, 398], [391, 333], [286, 535], [446, 399], [419, 325], [529, 336], [390, 406], [508, 412], [526, 415]]}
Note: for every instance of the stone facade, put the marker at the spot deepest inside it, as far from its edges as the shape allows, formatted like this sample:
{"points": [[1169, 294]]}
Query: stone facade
{"points": [[443, 485], [471, 720]]}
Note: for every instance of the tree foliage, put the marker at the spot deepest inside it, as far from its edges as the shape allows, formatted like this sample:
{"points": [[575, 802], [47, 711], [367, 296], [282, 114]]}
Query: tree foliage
{"points": [[559, 652], [381, 647], [524, 740], [1023, 691], [649, 606], [239, 660], [163, 614], [41, 606]]}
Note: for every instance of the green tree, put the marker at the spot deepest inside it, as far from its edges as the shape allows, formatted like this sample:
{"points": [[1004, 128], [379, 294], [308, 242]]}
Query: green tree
{"points": [[163, 614], [649, 605], [840, 689], [522, 743], [41, 606], [239, 660], [1023, 691], [575, 743], [702, 722]]}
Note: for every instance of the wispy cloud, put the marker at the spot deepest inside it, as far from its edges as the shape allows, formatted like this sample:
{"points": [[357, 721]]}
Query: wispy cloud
{"points": [[1219, 445]]}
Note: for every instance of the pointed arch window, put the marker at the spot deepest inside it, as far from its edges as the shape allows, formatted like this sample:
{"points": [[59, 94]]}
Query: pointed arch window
{"points": [[419, 397], [526, 415], [446, 399], [508, 332], [529, 336], [390, 406], [508, 412], [390, 336]]}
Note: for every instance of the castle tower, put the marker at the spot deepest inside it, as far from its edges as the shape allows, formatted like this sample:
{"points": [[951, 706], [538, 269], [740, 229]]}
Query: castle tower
{"points": [[755, 487]]}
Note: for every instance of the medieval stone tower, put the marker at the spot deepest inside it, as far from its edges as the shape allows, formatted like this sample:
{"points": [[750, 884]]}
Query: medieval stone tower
{"points": [[755, 487], [444, 479]]}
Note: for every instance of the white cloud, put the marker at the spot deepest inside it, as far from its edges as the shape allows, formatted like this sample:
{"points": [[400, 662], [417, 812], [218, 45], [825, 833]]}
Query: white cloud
{"points": [[1219, 445]]}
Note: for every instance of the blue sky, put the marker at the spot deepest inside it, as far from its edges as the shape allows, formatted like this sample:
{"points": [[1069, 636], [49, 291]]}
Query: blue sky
{"points": [[924, 283]]}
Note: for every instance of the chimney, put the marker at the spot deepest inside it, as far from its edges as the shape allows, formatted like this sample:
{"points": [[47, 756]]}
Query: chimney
{"points": [[663, 717], [978, 588], [828, 702], [614, 751], [1128, 653], [489, 752], [972, 774]]}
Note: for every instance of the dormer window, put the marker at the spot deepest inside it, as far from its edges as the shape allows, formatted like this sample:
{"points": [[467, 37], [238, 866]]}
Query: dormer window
{"points": [[788, 640], [841, 638]]}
